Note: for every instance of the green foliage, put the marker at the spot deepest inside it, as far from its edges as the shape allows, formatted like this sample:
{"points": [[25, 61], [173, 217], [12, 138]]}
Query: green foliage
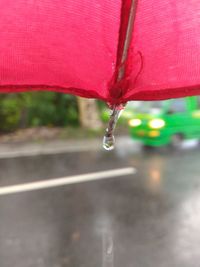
{"points": [[10, 112], [37, 109], [102, 105]]}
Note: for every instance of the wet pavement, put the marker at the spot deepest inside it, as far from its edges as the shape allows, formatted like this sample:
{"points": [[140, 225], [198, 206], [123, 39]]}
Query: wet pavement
{"points": [[147, 219]]}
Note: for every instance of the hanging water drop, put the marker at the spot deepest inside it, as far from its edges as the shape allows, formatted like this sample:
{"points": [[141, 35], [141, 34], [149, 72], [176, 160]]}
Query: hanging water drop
{"points": [[108, 142], [109, 139]]}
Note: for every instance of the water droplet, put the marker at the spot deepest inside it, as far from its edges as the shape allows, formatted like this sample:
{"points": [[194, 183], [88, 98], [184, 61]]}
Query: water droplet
{"points": [[108, 142]]}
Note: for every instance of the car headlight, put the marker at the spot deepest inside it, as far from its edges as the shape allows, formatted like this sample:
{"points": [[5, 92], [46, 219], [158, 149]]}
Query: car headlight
{"points": [[135, 122], [156, 123]]}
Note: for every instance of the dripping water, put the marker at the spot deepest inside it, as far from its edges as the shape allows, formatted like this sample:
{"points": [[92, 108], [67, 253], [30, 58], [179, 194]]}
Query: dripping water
{"points": [[109, 139]]}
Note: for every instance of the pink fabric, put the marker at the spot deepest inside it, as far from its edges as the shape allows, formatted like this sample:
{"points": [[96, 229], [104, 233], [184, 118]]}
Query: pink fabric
{"points": [[68, 46], [165, 50], [74, 46]]}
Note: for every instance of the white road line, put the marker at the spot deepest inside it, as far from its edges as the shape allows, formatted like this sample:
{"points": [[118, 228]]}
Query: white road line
{"points": [[66, 181], [37, 151]]}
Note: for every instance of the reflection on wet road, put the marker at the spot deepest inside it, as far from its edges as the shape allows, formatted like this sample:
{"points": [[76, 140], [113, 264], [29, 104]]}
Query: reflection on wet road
{"points": [[146, 219]]}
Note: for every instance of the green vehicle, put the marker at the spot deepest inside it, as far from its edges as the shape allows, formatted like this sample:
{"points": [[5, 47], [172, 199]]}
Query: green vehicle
{"points": [[159, 123]]}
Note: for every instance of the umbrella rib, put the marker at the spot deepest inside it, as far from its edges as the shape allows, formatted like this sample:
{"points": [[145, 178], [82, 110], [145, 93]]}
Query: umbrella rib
{"points": [[127, 41]]}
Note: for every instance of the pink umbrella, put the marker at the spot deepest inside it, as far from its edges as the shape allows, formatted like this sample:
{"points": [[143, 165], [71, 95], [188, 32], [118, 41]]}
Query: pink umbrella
{"points": [[113, 50]]}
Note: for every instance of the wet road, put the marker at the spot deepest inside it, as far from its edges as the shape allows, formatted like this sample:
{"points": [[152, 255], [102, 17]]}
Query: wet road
{"points": [[145, 219]]}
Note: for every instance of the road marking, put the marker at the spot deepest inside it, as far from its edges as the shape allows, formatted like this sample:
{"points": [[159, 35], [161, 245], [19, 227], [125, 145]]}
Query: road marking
{"points": [[66, 181], [38, 150]]}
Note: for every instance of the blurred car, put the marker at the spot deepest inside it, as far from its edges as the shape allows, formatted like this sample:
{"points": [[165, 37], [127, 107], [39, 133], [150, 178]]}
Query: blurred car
{"points": [[159, 123]]}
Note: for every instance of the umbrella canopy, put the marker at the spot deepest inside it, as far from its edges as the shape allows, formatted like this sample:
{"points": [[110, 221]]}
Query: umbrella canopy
{"points": [[114, 50]]}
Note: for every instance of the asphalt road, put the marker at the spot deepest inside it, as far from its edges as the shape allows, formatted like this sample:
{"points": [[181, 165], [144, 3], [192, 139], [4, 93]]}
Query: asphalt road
{"points": [[147, 218]]}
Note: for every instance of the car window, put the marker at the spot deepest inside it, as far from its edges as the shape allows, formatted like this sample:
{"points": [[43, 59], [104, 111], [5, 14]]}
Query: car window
{"points": [[147, 106], [198, 102], [177, 105]]}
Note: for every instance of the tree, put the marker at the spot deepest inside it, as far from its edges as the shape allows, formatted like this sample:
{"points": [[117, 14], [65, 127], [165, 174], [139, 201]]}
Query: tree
{"points": [[88, 113]]}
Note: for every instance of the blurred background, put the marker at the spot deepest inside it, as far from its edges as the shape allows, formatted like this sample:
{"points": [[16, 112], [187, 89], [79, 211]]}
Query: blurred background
{"points": [[47, 109], [64, 201]]}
